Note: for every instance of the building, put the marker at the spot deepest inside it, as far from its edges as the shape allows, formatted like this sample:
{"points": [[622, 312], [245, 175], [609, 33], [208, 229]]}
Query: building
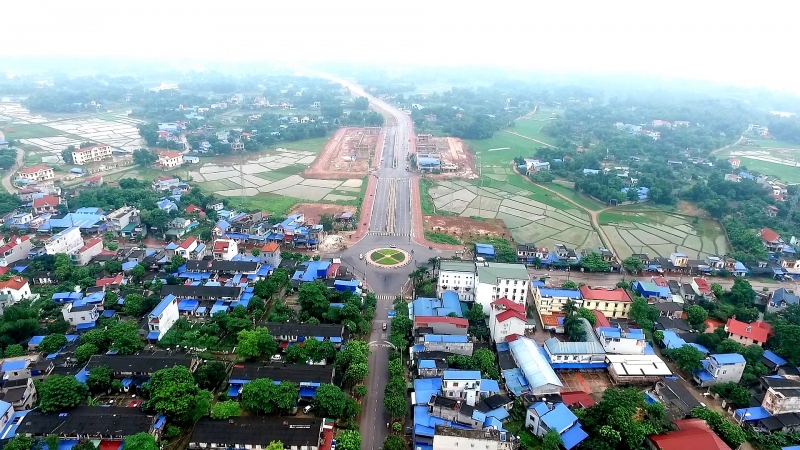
{"points": [[544, 416], [224, 293], [677, 399], [36, 173], [141, 364], [17, 248], [585, 355], [501, 280], [613, 303], [169, 160], [748, 333], [90, 249], [735, 162], [122, 217], [162, 317], [16, 288], [455, 326], [20, 393], [286, 333], [225, 249], [720, 368], [303, 375], [552, 301], [46, 204], [270, 254], [701, 286], [68, 241], [257, 432], [644, 368], [447, 438], [622, 342], [771, 240], [506, 318], [780, 299], [91, 154], [81, 317], [782, 394], [459, 277], [447, 305], [690, 434], [533, 369], [102, 423], [467, 385]]}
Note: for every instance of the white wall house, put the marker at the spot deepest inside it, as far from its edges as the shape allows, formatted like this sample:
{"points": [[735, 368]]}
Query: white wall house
{"points": [[68, 241], [462, 384], [170, 160], [720, 368], [80, 315], [501, 280], [37, 173], [17, 288], [552, 301], [91, 154], [459, 277], [620, 342], [225, 249], [122, 217], [506, 318], [163, 316]]}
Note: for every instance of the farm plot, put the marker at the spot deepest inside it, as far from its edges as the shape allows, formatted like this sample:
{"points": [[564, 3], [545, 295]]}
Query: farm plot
{"points": [[658, 234], [527, 219]]}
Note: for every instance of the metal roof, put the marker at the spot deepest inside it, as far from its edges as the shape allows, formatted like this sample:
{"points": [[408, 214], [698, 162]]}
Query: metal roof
{"points": [[590, 346], [536, 369], [728, 358], [491, 272]]}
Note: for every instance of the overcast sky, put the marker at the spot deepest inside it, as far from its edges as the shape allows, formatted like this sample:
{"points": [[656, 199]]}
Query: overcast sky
{"points": [[749, 43]]}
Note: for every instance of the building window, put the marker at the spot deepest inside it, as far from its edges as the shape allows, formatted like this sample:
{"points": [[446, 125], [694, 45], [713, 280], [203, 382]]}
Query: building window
{"points": [[455, 384]]}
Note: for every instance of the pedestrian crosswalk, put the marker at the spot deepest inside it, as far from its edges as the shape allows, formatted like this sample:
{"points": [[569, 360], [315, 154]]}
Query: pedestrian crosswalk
{"points": [[384, 233], [385, 297]]}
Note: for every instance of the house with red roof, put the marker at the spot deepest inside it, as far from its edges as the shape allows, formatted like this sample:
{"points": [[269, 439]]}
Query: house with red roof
{"points": [[748, 333], [90, 154], [110, 282], [577, 399], [36, 173], [93, 181], [192, 209], [225, 249], [191, 249], [691, 433], [456, 326], [46, 204], [169, 159], [701, 286], [17, 248], [16, 287], [270, 254], [90, 249], [506, 318], [615, 303], [771, 240]]}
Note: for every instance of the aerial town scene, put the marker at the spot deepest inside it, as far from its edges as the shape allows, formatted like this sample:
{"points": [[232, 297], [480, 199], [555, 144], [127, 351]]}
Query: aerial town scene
{"points": [[231, 241]]}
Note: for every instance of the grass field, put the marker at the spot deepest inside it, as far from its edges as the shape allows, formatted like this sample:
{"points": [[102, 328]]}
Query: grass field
{"points": [[309, 145], [29, 131], [387, 256], [276, 205], [786, 173], [441, 238], [576, 197], [490, 153]]}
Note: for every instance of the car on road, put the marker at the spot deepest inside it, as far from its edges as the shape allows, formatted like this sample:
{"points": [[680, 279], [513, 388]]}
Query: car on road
{"points": [[276, 358], [392, 246], [384, 327], [307, 409], [361, 256]]}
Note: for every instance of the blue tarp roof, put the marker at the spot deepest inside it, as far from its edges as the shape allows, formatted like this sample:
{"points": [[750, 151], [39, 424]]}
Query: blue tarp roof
{"points": [[573, 437], [426, 364], [728, 358], [773, 358], [188, 305], [153, 335], [534, 366], [159, 309], [129, 265], [446, 338], [751, 414], [233, 391], [559, 418], [484, 249], [424, 306], [565, 293], [461, 374], [85, 326], [13, 365], [108, 313], [36, 340], [489, 386], [425, 388]]}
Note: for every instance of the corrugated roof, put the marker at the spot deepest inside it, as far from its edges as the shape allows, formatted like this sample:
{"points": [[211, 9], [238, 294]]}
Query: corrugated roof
{"points": [[491, 272], [591, 346], [728, 358], [456, 266], [532, 363]]}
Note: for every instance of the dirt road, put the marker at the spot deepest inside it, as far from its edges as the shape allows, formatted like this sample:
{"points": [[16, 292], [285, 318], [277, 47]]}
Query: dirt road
{"points": [[17, 164], [528, 138]]}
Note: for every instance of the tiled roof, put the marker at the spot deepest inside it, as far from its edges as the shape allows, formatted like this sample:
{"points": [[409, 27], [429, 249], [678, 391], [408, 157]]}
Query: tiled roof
{"points": [[188, 242], [46, 200], [508, 304], [14, 283], [270, 247], [691, 433], [758, 331], [769, 235], [611, 295], [35, 169]]}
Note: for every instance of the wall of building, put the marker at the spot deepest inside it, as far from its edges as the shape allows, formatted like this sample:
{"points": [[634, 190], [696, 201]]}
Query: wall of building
{"points": [[463, 283], [777, 404]]}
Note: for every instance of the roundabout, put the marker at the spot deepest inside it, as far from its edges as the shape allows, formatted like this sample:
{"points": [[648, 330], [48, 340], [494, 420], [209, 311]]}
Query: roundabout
{"points": [[388, 257]]}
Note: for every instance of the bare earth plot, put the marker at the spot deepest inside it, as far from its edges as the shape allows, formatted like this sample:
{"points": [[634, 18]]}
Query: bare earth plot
{"points": [[347, 154]]}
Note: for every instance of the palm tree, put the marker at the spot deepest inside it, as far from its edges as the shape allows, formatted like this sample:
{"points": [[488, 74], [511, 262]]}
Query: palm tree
{"points": [[434, 262], [418, 275]]}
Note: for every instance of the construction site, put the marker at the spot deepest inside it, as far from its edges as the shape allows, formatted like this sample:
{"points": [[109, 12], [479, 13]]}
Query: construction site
{"points": [[446, 156], [349, 152]]}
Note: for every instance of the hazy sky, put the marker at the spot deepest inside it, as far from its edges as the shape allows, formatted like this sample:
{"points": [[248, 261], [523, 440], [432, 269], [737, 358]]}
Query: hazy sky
{"points": [[733, 41]]}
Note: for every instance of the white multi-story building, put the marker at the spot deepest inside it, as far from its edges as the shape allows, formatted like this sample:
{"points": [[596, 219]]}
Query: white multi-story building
{"points": [[506, 318], [446, 438], [494, 281], [92, 248], [225, 249], [617, 341], [720, 368], [462, 385], [80, 315], [122, 217], [68, 241], [91, 154], [15, 249], [163, 316], [170, 160], [17, 288], [459, 277], [37, 173]]}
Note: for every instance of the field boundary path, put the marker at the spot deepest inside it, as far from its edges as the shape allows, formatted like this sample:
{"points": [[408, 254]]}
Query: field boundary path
{"points": [[739, 141], [528, 138], [17, 164], [418, 225]]}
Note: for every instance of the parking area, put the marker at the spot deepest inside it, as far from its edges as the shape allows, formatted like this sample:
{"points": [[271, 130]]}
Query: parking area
{"points": [[594, 382]]}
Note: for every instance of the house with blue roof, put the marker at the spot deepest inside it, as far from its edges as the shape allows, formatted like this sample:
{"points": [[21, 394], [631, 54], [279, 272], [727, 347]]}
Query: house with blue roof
{"points": [[586, 355], [648, 289], [310, 271], [621, 342], [82, 316], [448, 304], [468, 386], [780, 299], [485, 251], [720, 368], [167, 205], [533, 373], [542, 417], [162, 317], [551, 301], [772, 361]]}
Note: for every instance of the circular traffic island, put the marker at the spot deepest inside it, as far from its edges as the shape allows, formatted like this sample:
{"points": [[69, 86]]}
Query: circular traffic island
{"points": [[388, 257]]}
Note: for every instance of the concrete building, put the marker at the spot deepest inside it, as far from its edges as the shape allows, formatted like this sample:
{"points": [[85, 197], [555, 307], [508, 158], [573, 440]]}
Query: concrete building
{"points": [[506, 318], [457, 276], [456, 326], [533, 369], [551, 301], [122, 217], [91, 154], [36, 173], [447, 438], [620, 342], [68, 241], [256, 433], [494, 281], [16, 288], [225, 249], [720, 368], [585, 355], [163, 316], [15, 249], [270, 254], [748, 333], [169, 160], [90, 249], [83, 316], [467, 385], [613, 303], [780, 299], [782, 394], [459, 345], [544, 416], [46, 204]]}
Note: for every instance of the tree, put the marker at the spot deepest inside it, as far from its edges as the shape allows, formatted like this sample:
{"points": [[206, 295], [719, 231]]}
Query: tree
{"points": [[84, 445], [140, 441], [262, 396], [696, 314], [737, 395], [286, 396], [252, 344], [474, 314], [569, 284], [486, 361], [135, 305], [210, 375], [593, 262], [99, 379], [143, 157], [741, 293], [396, 368], [66, 155], [14, 351], [687, 357], [633, 264], [361, 104], [395, 404], [313, 298], [319, 351], [226, 409], [348, 440], [275, 445], [59, 393], [172, 392], [643, 313], [138, 271], [124, 338], [361, 390], [357, 372], [19, 442], [329, 401], [354, 353], [552, 440], [394, 443], [573, 327], [587, 314], [716, 288], [97, 337], [622, 420], [785, 342], [296, 354], [52, 343]]}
